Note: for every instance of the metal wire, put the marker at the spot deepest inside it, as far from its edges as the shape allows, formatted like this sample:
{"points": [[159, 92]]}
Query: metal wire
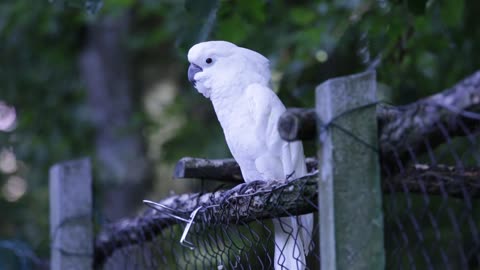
{"points": [[429, 203]]}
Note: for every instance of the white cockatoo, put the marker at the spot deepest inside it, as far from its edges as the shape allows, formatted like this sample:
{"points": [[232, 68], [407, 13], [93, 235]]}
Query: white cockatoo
{"points": [[237, 80]]}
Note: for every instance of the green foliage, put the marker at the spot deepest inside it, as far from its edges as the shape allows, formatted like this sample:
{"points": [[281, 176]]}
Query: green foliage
{"points": [[417, 47], [91, 6], [38, 77]]}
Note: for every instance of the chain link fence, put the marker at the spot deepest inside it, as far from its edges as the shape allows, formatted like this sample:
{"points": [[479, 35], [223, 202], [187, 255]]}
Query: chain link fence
{"points": [[231, 229], [432, 218], [430, 181]]}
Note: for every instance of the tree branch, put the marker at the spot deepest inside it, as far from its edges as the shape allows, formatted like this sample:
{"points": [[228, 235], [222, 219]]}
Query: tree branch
{"points": [[298, 124], [225, 170], [453, 112], [244, 203], [290, 124], [265, 200], [436, 180], [431, 121]]}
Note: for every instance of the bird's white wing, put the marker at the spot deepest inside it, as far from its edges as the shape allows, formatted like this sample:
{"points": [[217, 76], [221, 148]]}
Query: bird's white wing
{"points": [[249, 112], [266, 109], [280, 161]]}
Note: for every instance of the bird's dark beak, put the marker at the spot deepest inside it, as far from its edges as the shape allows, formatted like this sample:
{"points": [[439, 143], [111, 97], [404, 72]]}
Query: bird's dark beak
{"points": [[192, 70]]}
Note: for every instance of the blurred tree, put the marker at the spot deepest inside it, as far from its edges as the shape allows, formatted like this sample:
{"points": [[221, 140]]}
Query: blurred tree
{"points": [[119, 148]]}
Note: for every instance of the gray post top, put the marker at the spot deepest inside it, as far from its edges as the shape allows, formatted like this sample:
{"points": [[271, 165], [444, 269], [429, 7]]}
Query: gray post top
{"points": [[337, 96], [71, 219]]}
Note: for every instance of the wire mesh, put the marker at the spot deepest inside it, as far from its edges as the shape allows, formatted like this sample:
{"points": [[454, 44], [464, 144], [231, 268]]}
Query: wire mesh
{"points": [[431, 214], [232, 229], [431, 205], [430, 181]]}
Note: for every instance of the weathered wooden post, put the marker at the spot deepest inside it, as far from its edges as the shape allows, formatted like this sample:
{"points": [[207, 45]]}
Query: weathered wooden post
{"points": [[71, 224], [350, 206]]}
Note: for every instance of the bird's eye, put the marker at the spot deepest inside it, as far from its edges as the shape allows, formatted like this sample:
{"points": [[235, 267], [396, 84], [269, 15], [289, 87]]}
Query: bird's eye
{"points": [[209, 60]]}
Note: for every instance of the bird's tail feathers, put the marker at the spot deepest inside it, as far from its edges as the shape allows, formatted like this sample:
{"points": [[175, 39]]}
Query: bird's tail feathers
{"points": [[293, 237]]}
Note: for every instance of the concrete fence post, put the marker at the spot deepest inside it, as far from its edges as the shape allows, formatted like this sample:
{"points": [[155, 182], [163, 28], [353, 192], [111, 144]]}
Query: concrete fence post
{"points": [[350, 204], [71, 223]]}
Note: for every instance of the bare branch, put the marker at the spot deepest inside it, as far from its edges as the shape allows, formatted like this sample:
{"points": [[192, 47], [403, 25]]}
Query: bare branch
{"points": [[435, 119], [455, 111], [265, 200], [297, 124], [225, 170], [291, 124], [244, 203], [438, 180]]}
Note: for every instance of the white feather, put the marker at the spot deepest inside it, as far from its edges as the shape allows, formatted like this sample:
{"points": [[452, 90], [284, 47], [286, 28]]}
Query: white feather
{"points": [[248, 111]]}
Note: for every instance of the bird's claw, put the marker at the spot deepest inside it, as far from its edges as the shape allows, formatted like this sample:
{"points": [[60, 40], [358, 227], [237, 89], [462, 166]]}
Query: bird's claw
{"points": [[290, 175]]}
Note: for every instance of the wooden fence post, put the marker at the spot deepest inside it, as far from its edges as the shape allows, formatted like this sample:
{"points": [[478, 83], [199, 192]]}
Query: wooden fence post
{"points": [[350, 205], [71, 224]]}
